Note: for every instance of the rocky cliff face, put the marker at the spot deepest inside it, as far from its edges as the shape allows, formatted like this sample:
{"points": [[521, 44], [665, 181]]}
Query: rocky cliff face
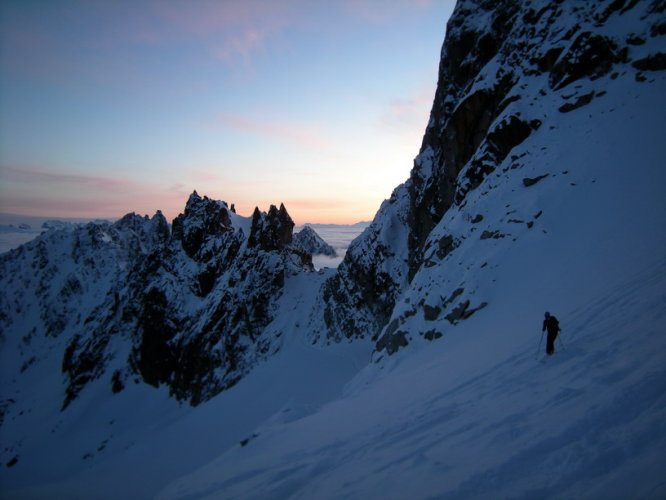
{"points": [[134, 301], [510, 70]]}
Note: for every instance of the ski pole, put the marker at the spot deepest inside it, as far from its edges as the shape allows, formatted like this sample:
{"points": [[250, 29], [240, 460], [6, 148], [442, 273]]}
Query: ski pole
{"points": [[561, 341], [539, 348]]}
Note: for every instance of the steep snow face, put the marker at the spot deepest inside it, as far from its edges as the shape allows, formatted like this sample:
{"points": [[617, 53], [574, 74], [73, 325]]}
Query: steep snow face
{"points": [[521, 84]]}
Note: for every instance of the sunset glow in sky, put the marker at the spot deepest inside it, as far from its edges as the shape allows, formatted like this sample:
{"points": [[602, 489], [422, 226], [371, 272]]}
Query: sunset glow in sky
{"points": [[113, 107]]}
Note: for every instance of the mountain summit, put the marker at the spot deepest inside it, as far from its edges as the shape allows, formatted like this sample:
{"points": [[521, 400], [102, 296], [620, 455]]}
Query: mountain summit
{"points": [[209, 359]]}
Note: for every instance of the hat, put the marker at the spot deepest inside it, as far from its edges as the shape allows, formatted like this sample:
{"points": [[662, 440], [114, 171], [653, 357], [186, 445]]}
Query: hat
{"points": [[547, 314]]}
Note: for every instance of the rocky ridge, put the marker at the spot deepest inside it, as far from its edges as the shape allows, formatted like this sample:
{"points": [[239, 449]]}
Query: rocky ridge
{"points": [[135, 301]]}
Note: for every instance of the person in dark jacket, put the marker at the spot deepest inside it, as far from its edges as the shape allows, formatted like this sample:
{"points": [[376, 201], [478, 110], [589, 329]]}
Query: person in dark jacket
{"points": [[551, 324]]}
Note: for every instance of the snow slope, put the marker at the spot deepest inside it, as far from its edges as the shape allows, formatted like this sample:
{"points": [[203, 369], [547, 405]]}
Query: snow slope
{"points": [[134, 443], [476, 416]]}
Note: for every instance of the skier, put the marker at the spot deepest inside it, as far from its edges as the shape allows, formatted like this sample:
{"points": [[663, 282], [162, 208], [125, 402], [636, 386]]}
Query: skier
{"points": [[553, 326]]}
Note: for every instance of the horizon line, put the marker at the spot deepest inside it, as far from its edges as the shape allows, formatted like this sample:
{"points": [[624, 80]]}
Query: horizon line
{"points": [[112, 219]]}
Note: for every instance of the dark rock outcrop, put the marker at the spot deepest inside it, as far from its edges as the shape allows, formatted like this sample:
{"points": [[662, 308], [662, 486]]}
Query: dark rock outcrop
{"points": [[202, 220], [590, 55], [271, 231]]}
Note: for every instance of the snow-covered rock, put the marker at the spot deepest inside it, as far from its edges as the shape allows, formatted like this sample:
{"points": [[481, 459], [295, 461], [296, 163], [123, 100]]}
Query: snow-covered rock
{"points": [[310, 242], [11, 228], [133, 300]]}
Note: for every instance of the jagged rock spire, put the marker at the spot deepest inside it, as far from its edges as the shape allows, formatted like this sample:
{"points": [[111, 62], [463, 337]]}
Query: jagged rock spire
{"points": [[201, 219], [272, 230]]}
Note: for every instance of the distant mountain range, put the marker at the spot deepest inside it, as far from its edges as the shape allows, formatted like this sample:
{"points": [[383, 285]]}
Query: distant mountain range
{"points": [[361, 224]]}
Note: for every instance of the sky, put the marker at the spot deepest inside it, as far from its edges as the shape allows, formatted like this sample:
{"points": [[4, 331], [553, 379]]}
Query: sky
{"points": [[128, 106]]}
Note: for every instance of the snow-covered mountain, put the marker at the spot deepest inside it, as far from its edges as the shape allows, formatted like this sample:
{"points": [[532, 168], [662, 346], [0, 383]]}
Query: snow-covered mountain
{"points": [[310, 242], [415, 369], [135, 301], [16, 230], [521, 87]]}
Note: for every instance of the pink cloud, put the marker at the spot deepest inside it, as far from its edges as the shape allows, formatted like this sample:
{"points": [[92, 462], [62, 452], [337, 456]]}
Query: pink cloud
{"points": [[382, 12], [231, 31], [27, 175], [410, 112], [294, 133], [327, 210], [206, 176], [36, 192], [238, 48], [309, 204], [29, 191]]}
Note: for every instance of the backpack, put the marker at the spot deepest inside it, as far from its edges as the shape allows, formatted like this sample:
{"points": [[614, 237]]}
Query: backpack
{"points": [[552, 323]]}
